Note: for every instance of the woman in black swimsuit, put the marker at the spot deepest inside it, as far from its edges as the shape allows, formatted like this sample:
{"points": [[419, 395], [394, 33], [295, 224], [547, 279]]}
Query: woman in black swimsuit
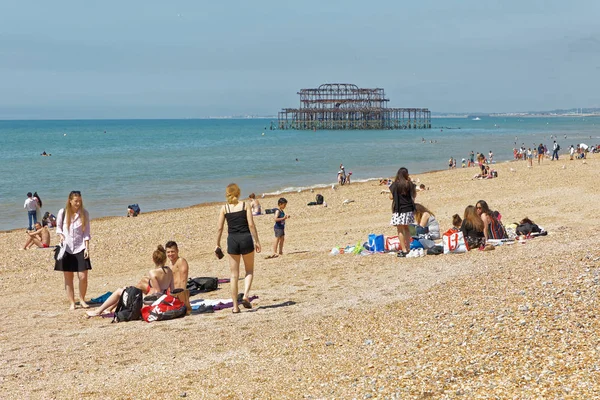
{"points": [[240, 244]]}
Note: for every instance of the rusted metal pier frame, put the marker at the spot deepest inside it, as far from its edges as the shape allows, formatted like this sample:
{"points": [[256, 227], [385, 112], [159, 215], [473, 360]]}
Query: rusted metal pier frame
{"points": [[345, 106]]}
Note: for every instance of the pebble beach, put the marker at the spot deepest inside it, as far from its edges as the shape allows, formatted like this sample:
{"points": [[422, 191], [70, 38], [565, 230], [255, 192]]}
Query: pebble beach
{"points": [[517, 322]]}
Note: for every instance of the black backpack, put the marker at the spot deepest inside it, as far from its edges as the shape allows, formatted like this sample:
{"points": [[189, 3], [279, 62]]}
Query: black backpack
{"points": [[130, 305], [319, 199], [202, 284]]}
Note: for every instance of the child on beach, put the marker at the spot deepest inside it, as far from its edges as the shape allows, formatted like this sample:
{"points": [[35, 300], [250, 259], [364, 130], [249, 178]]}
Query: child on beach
{"points": [[279, 227], [456, 222]]}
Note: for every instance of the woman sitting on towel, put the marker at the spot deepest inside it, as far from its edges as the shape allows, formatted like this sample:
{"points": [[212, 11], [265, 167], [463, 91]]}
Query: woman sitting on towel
{"points": [[472, 228], [426, 222], [158, 281]]}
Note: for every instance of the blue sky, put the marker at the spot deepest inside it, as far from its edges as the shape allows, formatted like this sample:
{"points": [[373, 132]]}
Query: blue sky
{"points": [[157, 59]]}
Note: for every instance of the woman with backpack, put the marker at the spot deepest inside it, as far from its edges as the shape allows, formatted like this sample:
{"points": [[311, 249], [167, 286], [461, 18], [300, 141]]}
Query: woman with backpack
{"points": [[493, 228], [73, 230], [158, 281], [403, 192]]}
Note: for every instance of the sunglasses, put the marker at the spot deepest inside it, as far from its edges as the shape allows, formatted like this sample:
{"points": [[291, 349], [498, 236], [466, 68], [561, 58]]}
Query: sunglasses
{"points": [[77, 192], [478, 207]]}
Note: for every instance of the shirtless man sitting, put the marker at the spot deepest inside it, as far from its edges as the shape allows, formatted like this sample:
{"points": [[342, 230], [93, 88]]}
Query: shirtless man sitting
{"points": [[40, 237], [158, 281], [180, 274]]}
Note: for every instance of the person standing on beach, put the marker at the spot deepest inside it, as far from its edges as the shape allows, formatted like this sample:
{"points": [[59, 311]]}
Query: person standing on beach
{"points": [[279, 227], [555, 149], [240, 244], [472, 159], [31, 207], [403, 194], [73, 229], [540, 151]]}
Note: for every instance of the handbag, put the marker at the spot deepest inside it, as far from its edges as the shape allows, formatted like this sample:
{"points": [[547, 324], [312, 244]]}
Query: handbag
{"points": [[454, 242]]}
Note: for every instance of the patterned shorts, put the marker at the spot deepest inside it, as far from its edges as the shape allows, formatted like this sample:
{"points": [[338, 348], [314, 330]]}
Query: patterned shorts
{"points": [[406, 218]]}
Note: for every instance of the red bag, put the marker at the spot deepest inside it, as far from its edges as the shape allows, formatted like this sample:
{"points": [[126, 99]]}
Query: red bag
{"points": [[166, 307], [392, 243]]}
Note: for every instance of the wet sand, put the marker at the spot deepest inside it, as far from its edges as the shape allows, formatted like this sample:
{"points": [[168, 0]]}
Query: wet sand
{"points": [[519, 321]]}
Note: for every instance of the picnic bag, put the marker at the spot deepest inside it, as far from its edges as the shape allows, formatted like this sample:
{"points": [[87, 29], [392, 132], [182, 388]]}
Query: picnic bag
{"points": [[454, 242], [376, 243], [129, 306], [392, 243], [165, 308]]}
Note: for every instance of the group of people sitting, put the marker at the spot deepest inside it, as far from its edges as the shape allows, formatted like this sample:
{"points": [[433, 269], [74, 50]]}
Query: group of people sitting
{"points": [[164, 278], [479, 224]]}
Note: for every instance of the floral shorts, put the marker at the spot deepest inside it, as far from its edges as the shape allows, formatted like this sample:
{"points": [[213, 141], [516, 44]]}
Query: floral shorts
{"points": [[406, 218]]}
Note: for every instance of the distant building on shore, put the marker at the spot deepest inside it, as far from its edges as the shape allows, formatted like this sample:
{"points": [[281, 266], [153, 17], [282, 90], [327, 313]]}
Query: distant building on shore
{"points": [[346, 106]]}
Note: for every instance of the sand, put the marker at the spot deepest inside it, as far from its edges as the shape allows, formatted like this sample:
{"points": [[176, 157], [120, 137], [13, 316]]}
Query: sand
{"points": [[517, 322]]}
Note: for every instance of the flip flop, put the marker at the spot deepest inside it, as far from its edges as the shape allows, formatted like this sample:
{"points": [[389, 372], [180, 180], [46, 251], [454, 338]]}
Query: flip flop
{"points": [[246, 303], [272, 256], [235, 312]]}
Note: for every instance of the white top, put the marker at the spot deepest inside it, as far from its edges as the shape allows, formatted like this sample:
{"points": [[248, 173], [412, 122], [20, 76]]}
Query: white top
{"points": [[30, 204], [75, 235]]}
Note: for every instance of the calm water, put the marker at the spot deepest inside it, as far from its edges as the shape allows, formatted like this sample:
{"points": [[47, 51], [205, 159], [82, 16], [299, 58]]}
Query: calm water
{"points": [[176, 163]]}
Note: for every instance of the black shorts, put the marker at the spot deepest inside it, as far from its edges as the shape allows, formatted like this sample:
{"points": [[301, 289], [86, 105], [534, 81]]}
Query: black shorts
{"points": [[240, 244], [73, 263]]}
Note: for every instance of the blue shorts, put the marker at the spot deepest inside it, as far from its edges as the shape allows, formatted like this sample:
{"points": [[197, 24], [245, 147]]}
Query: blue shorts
{"points": [[279, 232]]}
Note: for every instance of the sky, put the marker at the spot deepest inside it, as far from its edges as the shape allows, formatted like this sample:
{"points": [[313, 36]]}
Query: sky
{"points": [[194, 59]]}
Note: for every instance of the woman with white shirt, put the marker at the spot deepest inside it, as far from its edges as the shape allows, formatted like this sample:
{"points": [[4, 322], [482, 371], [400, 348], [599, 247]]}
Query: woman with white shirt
{"points": [[73, 229]]}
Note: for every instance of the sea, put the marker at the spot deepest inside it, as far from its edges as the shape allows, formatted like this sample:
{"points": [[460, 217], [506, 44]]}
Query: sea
{"points": [[164, 164]]}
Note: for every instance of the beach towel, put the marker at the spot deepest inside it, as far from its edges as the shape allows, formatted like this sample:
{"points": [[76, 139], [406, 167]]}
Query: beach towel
{"points": [[100, 299], [165, 308]]}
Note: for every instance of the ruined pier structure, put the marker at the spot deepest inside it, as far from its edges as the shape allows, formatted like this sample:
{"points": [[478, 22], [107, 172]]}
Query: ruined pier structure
{"points": [[346, 106]]}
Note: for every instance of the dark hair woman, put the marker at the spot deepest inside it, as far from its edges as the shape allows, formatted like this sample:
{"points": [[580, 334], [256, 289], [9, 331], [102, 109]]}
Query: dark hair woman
{"points": [[403, 192]]}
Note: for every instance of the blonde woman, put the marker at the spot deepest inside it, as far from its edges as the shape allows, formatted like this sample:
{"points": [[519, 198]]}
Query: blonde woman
{"points": [[73, 230], [242, 242]]}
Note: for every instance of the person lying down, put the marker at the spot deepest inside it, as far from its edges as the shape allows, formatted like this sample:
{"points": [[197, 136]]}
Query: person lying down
{"points": [[158, 281]]}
